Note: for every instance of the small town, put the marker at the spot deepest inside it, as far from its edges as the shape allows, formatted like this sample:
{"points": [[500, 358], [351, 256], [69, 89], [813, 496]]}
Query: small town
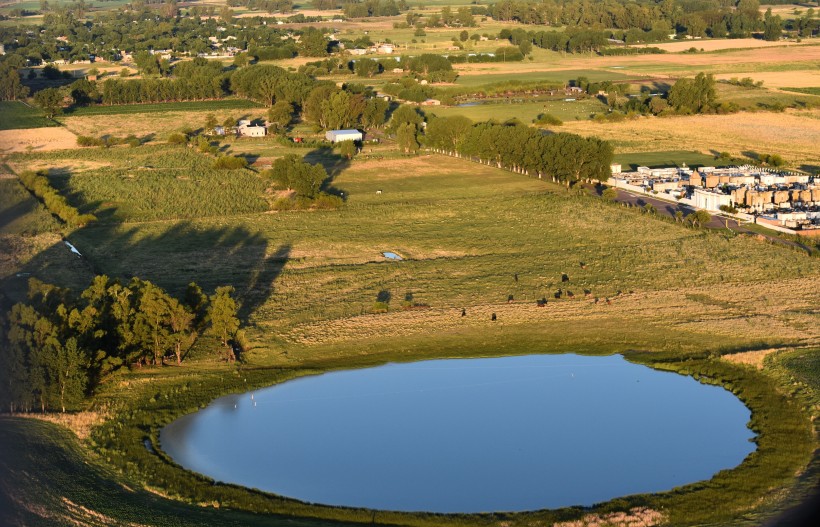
{"points": [[785, 200]]}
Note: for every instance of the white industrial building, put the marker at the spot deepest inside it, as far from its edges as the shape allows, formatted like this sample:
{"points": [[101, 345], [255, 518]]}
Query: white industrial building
{"points": [[336, 136]]}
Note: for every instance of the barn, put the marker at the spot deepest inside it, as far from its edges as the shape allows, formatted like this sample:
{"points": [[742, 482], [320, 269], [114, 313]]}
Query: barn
{"points": [[336, 136]]}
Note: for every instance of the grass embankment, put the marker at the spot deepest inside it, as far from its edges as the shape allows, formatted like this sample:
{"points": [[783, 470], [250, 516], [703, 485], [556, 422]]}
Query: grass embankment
{"points": [[16, 115], [144, 401], [308, 283]]}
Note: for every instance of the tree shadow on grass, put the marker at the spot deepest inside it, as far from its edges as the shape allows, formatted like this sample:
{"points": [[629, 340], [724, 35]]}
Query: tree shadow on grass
{"points": [[334, 164], [171, 256]]}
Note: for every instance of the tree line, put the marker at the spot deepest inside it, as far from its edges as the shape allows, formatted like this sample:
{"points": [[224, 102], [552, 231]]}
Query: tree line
{"points": [[38, 184], [56, 347], [561, 157]]}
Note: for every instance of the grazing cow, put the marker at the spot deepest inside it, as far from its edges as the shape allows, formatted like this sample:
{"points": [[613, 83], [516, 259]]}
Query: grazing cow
{"points": [[570, 294], [608, 302], [378, 192], [542, 302], [463, 312], [583, 265], [492, 317], [597, 299], [510, 298], [587, 293], [564, 277], [558, 293], [516, 277]]}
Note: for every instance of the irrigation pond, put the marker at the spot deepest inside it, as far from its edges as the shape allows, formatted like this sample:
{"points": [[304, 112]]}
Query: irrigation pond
{"points": [[469, 435]]}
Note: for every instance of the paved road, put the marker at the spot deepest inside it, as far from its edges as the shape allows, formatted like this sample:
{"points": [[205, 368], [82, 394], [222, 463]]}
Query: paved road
{"points": [[717, 222]]}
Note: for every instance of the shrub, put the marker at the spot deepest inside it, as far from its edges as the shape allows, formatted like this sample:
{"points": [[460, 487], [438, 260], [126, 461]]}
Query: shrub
{"points": [[177, 139], [548, 119], [230, 163], [86, 140]]}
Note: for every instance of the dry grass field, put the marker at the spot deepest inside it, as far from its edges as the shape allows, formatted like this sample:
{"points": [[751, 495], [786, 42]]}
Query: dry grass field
{"points": [[161, 124], [793, 134], [775, 79], [720, 44], [38, 139], [782, 58]]}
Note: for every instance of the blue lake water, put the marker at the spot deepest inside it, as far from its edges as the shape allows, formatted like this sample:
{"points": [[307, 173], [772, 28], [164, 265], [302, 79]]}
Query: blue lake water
{"points": [[469, 435]]}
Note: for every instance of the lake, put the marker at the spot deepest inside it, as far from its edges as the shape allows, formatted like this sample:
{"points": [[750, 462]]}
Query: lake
{"points": [[469, 435]]}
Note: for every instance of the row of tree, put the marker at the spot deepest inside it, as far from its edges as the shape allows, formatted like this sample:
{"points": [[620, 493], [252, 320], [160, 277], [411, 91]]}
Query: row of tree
{"points": [[55, 348], [562, 157], [38, 184]]}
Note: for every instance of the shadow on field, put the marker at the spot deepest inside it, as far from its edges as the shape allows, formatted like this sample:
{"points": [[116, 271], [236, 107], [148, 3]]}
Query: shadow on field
{"points": [[172, 256], [334, 164]]}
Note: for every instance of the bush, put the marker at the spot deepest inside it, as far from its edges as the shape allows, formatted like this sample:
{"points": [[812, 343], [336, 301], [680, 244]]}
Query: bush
{"points": [[85, 140], [548, 119], [230, 163], [177, 139]]}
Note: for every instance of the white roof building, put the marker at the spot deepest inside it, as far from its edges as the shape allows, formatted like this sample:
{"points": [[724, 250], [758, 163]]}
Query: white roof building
{"points": [[335, 136]]}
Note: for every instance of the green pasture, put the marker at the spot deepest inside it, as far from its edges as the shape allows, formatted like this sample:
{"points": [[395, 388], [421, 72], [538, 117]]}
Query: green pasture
{"points": [[504, 109], [487, 77], [170, 219], [810, 91], [678, 158], [187, 106], [762, 98], [15, 115]]}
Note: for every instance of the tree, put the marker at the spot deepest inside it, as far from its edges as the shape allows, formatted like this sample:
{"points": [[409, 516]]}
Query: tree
{"points": [[772, 26], [699, 218], [71, 374], [222, 319], [464, 35], [406, 138], [280, 115], [313, 43], [151, 324], [50, 100], [367, 67], [348, 149], [210, 122], [181, 322], [11, 87], [296, 175]]}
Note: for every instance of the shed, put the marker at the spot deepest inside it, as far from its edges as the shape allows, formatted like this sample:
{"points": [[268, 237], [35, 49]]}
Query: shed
{"points": [[335, 136]]}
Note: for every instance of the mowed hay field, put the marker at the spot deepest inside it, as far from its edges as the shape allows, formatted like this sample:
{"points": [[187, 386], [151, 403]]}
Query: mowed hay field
{"points": [[783, 58], [37, 139], [792, 134], [464, 231], [159, 124]]}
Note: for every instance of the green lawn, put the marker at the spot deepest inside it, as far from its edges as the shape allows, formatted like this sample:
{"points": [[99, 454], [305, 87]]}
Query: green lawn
{"points": [[15, 115], [189, 106]]}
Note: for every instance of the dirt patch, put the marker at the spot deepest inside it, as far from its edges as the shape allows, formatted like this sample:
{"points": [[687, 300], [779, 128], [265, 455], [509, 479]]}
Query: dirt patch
{"points": [[37, 139]]}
